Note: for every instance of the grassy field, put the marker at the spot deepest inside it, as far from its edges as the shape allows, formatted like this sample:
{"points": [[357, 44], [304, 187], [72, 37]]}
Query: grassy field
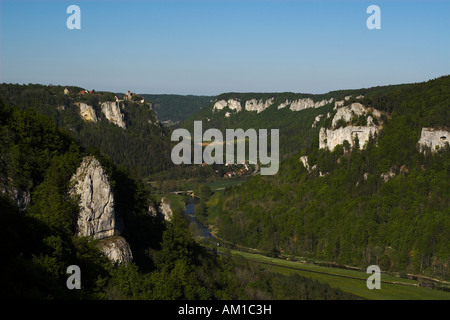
{"points": [[219, 186], [352, 281]]}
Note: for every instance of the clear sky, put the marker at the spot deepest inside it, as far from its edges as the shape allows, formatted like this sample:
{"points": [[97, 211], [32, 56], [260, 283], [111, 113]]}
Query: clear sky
{"points": [[210, 47]]}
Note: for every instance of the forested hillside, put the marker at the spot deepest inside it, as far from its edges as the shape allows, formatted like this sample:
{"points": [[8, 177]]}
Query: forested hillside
{"points": [[385, 204], [143, 145], [177, 107]]}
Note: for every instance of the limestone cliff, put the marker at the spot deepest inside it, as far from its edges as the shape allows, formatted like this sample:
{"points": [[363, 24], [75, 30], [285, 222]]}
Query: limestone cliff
{"points": [[316, 120], [112, 112], [165, 209], [434, 139], [258, 105], [346, 113], [330, 138], [231, 104], [87, 112], [305, 103], [97, 217], [161, 210], [304, 160]]}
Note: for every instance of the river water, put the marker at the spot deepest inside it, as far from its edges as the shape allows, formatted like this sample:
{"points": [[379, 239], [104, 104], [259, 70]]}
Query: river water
{"points": [[197, 228]]}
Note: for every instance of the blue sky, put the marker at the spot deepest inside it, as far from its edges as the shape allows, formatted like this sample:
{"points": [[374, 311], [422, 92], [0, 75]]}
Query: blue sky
{"points": [[210, 47]]}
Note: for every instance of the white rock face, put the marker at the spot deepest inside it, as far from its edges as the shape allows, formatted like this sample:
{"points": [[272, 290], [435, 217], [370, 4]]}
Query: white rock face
{"points": [[258, 105], [338, 104], [166, 209], [305, 103], [329, 139], [316, 120], [304, 160], [346, 113], [322, 103], [234, 105], [97, 218], [87, 112], [301, 104], [284, 104], [116, 249], [231, 104], [434, 139], [219, 105], [97, 215], [112, 112]]}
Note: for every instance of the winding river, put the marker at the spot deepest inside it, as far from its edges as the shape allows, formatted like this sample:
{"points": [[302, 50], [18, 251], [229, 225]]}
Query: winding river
{"points": [[197, 228]]}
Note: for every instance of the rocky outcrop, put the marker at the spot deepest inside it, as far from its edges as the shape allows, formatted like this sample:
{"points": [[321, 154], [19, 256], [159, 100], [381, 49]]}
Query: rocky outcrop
{"points": [[329, 139], [112, 112], [116, 249], [87, 112], [258, 105], [338, 104], [346, 113], [304, 160], [219, 105], [97, 215], [261, 105], [433, 139], [21, 197], [165, 209], [161, 210], [316, 120], [231, 104], [152, 211], [305, 103], [301, 104]]}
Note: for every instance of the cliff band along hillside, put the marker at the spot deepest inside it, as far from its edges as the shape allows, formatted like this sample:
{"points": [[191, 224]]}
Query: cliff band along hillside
{"points": [[366, 183]]}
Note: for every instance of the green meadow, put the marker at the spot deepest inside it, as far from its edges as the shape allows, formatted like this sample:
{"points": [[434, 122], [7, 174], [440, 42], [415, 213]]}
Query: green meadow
{"points": [[352, 281]]}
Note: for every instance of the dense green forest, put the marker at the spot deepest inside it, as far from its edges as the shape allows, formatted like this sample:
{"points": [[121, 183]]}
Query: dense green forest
{"points": [[39, 241], [177, 107], [351, 215]]}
